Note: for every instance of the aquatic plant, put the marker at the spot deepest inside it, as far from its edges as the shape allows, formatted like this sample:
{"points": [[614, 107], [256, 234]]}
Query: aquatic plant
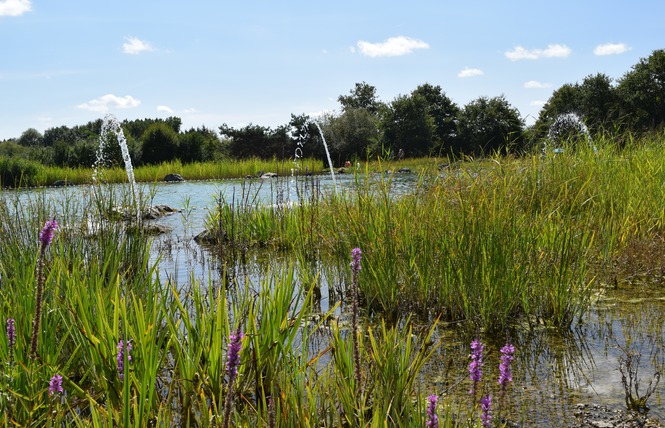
{"points": [[486, 411], [232, 363], [476, 365], [55, 385], [505, 370], [432, 416], [123, 355], [45, 238]]}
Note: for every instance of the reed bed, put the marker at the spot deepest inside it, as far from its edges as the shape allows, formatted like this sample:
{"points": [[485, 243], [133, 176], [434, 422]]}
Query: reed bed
{"points": [[32, 174], [493, 246]]}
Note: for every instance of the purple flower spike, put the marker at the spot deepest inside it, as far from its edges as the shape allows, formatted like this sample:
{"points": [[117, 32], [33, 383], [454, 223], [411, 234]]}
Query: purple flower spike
{"points": [[120, 358], [505, 372], [486, 407], [55, 385], [432, 417], [46, 235], [476, 364], [233, 354], [11, 332], [356, 256]]}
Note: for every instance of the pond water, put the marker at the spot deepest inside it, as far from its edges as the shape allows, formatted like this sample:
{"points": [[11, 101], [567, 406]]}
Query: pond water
{"points": [[554, 371]]}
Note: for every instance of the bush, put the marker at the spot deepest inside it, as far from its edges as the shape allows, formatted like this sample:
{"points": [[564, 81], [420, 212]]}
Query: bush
{"points": [[18, 172]]}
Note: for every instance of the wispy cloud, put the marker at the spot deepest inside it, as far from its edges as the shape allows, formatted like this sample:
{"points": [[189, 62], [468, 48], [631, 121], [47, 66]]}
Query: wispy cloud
{"points": [[135, 46], [394, 46], [108, 101], [470, 72], [165, 109], [537, 103], [611, 49], [14, 7], [534, 84], [552, 51]]}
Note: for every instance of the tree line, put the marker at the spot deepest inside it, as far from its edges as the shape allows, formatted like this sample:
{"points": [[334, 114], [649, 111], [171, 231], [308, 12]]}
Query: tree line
{"points": [[425, 122]]}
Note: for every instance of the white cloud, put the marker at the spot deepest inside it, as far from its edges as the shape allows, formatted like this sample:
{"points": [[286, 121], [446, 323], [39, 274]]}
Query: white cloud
{"points": [[109, 101], [14, 7], [165, 109], [552, 51], [537, 103], [394, 46], [470, 72], [534, 84], [190, 110], [135, 46], [611, 49]]}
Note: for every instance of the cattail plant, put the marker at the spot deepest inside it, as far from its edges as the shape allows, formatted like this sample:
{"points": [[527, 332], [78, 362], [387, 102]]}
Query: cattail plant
{"points": [[45, 238], [232, 363]]}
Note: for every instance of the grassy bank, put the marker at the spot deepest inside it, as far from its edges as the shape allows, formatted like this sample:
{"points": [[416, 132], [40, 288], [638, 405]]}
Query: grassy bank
{"points": [[21, 173]]}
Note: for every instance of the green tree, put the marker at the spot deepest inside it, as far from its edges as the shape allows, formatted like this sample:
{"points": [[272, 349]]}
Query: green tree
{"points": [[642, 93], [408, 126], [31, 138], [444, 112], [351, 134], [159, 144], [198, 145], [363, 96], [256, 141], [489, 125]]}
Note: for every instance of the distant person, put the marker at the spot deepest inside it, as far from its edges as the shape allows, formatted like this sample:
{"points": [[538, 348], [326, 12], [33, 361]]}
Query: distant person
{"points": [[347, 164], [400, 154]]}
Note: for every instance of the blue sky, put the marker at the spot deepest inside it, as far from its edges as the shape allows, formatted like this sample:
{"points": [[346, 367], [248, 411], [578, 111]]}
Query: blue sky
{"points": [[67, 62]]}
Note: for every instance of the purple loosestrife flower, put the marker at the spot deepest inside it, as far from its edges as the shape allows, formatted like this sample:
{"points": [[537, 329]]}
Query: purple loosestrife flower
{"points": [[55, 385], [233, 354], [505, 372], [120, 357], [46, 235], [476, 364], [356, 257], [11, 338], [486, 408], [11, 332], [432, 417]]}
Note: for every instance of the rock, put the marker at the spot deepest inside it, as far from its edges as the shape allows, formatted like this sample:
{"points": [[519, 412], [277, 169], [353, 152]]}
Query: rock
{"points": [[269, 175], [156, 229], [173, 178], [404, 170], [61, 183], [207, 237], [157, 211]]}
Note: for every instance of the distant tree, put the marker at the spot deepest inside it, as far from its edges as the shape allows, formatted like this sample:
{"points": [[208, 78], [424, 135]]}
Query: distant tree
{"points": [[198, 145], [567, 99], [159, 144], [489, 125], [363, 96], [31, 138], [444, 112], [136, 128], [256, 141], [351, 134], [60, 133], [11, 149], [408, 126], [642, 93], [599, 103], [305, 137]]}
